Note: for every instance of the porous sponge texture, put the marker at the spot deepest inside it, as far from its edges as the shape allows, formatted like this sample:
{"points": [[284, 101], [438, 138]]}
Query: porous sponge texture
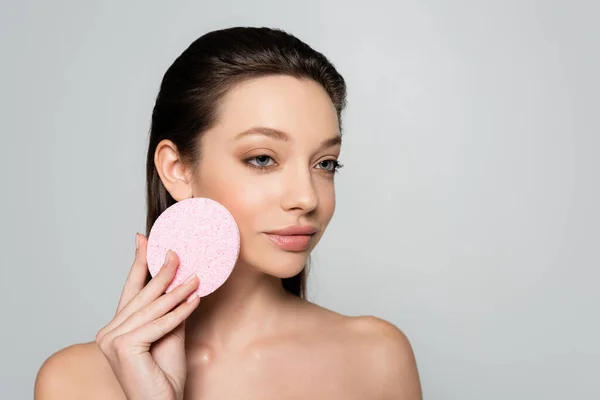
{"points": [[204, 235]]}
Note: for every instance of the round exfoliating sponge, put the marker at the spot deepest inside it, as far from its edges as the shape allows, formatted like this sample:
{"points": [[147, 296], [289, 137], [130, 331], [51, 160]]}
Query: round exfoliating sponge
{"points": [[204, 236]]}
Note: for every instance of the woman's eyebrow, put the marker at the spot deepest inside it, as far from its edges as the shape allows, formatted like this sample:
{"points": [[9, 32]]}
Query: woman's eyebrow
{"points": [[334, 141], [283, 136], [262, 130]]}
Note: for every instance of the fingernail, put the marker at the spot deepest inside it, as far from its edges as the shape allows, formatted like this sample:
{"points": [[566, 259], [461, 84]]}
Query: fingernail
{"points": [[168, 257], [189, 279], [137, 240], [192, 297]]}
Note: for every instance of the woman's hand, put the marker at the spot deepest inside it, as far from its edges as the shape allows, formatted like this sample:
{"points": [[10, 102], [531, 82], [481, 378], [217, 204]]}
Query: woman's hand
{"points": [[145, 341]]}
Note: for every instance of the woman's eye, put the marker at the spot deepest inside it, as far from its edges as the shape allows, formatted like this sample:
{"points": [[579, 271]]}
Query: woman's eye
{"points": [[264, 161], [260, 161], [329, 165]]}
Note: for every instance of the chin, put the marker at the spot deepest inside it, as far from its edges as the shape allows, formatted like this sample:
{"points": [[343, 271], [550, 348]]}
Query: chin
{"points": [[261, 254], [284, 269], [274, 262]]}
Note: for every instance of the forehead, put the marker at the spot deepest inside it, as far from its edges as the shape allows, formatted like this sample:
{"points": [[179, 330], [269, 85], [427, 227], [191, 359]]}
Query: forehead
{"points": [[300, 107]]}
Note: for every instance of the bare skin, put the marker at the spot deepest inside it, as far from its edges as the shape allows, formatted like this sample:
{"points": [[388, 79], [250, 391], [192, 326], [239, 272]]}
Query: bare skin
{"points": [[250, 339]]}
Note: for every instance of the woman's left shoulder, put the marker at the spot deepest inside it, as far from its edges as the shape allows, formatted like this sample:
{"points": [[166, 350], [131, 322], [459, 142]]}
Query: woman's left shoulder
{"points": [[375, 350], [386, 354], [367, 331], [379, 336]]}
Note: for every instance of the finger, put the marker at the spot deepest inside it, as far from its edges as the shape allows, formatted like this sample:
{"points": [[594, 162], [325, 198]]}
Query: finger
{"points": [[158, 307], [154, 289], [137, 274], [154, 330], [179, 331]]}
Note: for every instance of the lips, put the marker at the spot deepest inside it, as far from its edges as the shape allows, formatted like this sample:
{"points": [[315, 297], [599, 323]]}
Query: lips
{"points": [[291, 242], [293, 238]]}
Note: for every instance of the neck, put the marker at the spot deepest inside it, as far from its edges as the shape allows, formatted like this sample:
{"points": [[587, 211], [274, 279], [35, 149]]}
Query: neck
{"points": [[248, 305]]}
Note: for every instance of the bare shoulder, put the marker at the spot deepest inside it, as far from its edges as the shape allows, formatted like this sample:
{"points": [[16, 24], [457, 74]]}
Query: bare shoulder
{"points": [[387, 356], [381, 353], [377, 332], [76, 372]]}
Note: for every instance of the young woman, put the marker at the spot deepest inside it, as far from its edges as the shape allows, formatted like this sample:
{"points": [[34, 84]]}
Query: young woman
{"points": [[249, 117]]}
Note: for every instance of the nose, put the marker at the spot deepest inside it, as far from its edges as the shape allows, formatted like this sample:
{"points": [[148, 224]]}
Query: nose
{"points": [[300, 192]]}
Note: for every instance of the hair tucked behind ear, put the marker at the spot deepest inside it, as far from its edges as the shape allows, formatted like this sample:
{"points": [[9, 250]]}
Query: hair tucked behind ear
{"points": [[193, 86]]}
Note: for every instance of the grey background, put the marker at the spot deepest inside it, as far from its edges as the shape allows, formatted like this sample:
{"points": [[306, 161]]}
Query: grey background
{"points": [[467, 209]]}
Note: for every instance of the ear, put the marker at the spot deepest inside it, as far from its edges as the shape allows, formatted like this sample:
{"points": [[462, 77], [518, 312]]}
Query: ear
{"points": [[174, 175]]}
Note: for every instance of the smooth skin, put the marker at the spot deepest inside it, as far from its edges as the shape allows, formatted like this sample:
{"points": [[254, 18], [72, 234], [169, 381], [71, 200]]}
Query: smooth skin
{"points": [[271, 160]]}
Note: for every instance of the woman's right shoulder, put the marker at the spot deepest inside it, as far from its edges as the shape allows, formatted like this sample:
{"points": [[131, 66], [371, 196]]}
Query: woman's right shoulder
{"points": [[79, 371]]}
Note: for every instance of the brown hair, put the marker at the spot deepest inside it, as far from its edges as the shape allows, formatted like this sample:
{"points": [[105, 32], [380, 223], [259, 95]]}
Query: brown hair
{"points": [[192, 87]]}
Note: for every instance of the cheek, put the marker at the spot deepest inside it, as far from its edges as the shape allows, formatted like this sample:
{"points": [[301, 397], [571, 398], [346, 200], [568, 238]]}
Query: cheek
{"points": [[246, 200], [326, 200], [247, 204]]}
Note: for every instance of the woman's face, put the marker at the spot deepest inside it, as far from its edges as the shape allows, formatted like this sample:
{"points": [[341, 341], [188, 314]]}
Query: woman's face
{"points": [[270, 161]]}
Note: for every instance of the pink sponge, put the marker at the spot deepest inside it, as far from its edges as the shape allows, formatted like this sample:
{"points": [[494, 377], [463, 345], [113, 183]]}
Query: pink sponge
{"points": [[205, 237]]}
